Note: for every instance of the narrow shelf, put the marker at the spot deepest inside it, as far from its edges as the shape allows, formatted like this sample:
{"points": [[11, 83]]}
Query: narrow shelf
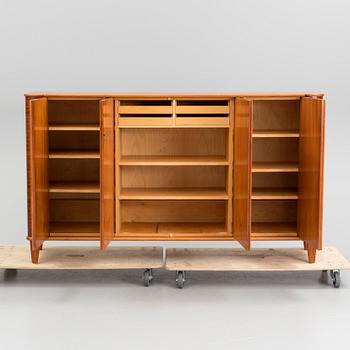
{"points": [[173, 160], [275, 133], [74, 187], [172, 228], [174, 193], [74, 155], [74, 127], [274, 167], [74, 229], [274, 193], [274, 231]]}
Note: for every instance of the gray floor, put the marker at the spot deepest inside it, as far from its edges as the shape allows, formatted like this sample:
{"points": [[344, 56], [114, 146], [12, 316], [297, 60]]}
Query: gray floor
{"points": [[111, 309]]}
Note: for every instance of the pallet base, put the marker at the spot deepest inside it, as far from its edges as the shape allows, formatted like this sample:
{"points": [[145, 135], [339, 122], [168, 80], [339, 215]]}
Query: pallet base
{"points": [[291, 259], [87, 258]]}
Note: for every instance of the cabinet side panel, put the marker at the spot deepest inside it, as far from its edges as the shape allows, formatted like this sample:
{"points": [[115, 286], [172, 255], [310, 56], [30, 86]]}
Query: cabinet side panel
{"points": [[242, 172], [28, 160], [311, 148], [107, 212], [39, 183]]}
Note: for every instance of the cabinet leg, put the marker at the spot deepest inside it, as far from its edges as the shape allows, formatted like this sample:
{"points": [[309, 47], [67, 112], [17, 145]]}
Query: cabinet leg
{"points": [[311, 252], [34, 253], [305, 245]]}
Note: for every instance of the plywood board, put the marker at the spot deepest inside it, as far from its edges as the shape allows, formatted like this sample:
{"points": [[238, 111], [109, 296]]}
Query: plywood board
{"points": [[69, 258], [291, 259]]}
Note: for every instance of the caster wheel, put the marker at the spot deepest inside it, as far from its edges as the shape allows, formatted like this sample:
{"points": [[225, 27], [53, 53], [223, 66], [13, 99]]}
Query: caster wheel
{"points": [[336, 279], [147, 277], [180, 279], [331, 273]]}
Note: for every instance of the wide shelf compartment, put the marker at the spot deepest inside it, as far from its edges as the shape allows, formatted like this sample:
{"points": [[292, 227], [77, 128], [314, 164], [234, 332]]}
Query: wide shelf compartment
{"points": [[173, 217], [174, 193], [171, 144], [179, 178], [74, 140]]}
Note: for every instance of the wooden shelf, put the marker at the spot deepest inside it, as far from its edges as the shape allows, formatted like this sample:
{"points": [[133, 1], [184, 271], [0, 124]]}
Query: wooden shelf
{"points": [[74, 155], [173, 193], [274, 231], [74, 187], [274, 167], [274, 193], [74, 127], [275, 133], [173, 160], [170, 228], [72, 230]]}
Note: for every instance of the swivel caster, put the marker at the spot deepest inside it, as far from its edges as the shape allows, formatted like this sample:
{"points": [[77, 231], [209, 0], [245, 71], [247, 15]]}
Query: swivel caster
{"points": [[335, 275], [147, 277], [180, 279]]}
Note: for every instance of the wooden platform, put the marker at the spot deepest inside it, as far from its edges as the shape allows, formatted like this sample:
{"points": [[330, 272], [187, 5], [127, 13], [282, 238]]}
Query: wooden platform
{"points": [[255, 260], [69, 258]]}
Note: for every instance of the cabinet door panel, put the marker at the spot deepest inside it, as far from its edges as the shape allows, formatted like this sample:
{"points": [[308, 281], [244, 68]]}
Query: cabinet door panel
{"points": [[312, 112], [39, 182], [242, 171], [107, 187]]}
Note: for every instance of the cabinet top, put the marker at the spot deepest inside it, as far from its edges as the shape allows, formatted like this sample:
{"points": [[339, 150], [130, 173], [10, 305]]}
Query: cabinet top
{"points": [[173, 95]]}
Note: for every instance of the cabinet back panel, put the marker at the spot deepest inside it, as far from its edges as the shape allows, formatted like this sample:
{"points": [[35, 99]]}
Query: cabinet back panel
{"points": [[276, 115], [73, 112], [275, 150], [274, 211], [170, 176], [74, 140], [74, 210], [173, 211], [275, 180], [176, 142], [74, 170]]}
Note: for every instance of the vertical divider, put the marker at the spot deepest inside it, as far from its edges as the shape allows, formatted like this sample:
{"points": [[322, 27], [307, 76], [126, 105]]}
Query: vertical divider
{"points": [[117, 155], [229, 172]]}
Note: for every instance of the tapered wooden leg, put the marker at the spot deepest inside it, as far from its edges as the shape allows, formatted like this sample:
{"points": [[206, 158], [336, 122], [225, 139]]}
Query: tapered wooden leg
{"points": [[311, 252], [34, 253]]}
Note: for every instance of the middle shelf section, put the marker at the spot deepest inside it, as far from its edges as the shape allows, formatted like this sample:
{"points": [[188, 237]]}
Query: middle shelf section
{"points": [[173, 182]]}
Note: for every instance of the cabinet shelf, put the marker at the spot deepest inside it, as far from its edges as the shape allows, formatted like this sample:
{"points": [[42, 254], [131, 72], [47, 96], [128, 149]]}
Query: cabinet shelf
{"points": [[74, 127], [275, 167], [274, 193], [74, 187], [173, 160], [74, 154], [275, 133], [274, 231], [74, 230], [173, 194], [172, 228]]}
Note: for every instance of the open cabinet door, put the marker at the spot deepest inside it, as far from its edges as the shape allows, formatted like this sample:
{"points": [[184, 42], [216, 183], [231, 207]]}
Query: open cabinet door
{"points": [[107, 211], [39, 181], [311, 150], [242, 175]]}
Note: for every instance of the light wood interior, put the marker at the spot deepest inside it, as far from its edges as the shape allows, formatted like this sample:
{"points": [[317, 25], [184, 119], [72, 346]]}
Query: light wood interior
{"points": [[74, 154], [275, 158]]}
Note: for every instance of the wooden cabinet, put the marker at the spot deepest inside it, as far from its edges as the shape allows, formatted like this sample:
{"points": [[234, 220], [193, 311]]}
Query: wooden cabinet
{"points": [[175, 167]]}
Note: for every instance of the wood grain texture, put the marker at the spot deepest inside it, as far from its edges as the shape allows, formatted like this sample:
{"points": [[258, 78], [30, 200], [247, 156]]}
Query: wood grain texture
{"points": [[291, 259], [312, 115], [242, 171], [89, 258], [39, 173], [107, 175]]}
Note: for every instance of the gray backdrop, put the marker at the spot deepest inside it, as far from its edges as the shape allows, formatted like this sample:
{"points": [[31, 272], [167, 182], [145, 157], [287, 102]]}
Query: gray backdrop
{"points": [[173, 46]]}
